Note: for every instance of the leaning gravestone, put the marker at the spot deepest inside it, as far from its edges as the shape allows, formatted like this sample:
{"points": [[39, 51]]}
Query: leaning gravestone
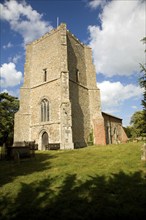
{"points": [[143, 155]]}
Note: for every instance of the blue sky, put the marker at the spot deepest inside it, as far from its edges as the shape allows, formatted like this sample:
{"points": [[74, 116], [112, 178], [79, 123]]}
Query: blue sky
{"points": [[113, 29]]}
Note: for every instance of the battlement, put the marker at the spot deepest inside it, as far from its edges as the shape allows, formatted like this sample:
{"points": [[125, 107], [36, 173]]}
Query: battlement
{"points": [[62, 26]]}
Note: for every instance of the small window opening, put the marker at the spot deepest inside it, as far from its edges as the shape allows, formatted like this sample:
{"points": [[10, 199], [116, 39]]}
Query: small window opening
{"points": [[45, 74], [77, 75]]}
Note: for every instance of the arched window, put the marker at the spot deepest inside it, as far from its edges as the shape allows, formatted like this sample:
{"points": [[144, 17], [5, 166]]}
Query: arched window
{"points": [[44, 110]]}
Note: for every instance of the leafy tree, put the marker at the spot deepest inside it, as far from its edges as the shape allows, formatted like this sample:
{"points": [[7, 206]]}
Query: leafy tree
{"points": [[142, 82], [8, 107], [137, 121], [128, 131]]}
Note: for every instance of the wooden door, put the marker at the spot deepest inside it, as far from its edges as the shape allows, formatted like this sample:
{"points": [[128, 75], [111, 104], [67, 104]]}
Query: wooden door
{"points": [[44, 140]]}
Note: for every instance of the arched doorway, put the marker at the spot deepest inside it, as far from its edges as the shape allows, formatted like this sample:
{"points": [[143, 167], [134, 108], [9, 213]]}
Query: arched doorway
{"points": [[44, 140]]}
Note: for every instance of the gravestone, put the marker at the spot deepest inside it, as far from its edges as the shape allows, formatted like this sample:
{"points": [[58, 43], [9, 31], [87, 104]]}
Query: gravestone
{"points": [[143, 155]]}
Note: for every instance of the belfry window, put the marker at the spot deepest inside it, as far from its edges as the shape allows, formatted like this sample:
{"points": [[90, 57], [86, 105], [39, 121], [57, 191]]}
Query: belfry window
{"points": [[45, 74], [77, 75], [44, 110]]}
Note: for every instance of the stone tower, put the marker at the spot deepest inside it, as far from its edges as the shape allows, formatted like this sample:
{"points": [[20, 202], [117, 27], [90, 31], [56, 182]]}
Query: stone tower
{"points": [[59, 100]]}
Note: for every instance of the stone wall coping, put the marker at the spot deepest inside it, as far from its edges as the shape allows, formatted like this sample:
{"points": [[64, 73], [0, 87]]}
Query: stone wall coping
{"points": [[113, 116], [75, 38], [45, 123], [83, 86], [53, 31], [44, 83]]}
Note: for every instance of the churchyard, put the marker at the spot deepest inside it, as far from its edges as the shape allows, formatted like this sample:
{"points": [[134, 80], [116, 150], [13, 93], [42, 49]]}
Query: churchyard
{"points": [[95, 182]]}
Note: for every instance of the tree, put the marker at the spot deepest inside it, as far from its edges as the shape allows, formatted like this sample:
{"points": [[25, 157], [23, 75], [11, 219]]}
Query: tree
{"points": [[128, 131], [137, 121], [8, 107], [142, 83]]}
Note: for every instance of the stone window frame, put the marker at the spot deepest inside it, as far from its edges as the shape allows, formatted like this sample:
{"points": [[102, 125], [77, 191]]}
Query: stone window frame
{"points": [[44, 110], [77, 75], [45, 75]]}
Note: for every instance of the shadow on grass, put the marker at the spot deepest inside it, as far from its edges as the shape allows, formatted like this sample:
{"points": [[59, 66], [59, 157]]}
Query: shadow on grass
{"points": [[120, 196], [9, 170]]}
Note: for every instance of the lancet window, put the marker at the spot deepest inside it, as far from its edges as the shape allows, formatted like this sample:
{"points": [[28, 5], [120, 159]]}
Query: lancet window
{"points": [[45, 74], [44, 110], [77, 75]]}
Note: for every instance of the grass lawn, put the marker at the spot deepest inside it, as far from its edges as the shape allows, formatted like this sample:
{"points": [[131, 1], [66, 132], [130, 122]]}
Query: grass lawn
{"points": [[89, 183]]}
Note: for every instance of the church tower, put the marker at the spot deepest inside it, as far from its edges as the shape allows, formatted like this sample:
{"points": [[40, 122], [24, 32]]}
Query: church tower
{"points": [[59, 100]]}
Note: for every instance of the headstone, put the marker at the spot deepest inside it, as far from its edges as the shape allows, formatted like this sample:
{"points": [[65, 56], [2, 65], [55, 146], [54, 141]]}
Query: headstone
{"points": [[143, 155]]}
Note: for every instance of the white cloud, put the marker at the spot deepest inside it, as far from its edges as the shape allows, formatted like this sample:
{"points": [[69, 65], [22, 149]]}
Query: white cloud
{"points": [[117, 49], [8, 45], [24, 20], [113, 94], [9, 75], [134, 107], [96, 3], [15, 59]]}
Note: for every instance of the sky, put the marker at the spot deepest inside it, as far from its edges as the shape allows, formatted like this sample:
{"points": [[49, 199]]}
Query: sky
{"points": [[112, 28]]}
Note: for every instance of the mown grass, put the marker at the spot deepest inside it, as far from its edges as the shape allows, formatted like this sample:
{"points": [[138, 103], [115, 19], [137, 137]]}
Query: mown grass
{"points": [[90, 183]]}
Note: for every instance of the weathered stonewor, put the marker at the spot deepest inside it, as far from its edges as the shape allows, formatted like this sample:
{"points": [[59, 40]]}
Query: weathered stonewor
{"points": [[59, 100]]}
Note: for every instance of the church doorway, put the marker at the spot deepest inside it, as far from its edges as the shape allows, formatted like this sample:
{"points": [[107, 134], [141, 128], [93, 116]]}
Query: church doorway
{"points": [[44, 140]]}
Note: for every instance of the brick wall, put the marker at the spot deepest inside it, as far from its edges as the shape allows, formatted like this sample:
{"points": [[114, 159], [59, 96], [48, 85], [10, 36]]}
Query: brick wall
{"points": [[113, 129]]}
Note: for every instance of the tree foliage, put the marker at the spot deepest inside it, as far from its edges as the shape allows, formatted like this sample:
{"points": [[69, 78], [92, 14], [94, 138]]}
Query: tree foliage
{"points": [[8, 107], [128, 131], [137, 121], [136, 128], [142, 83]]}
